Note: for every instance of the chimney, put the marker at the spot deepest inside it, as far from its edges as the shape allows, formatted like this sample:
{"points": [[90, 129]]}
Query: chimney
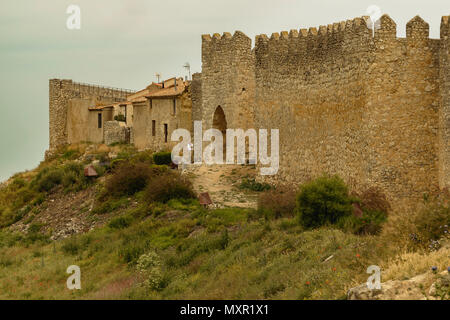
{"points": [[175, 82]]}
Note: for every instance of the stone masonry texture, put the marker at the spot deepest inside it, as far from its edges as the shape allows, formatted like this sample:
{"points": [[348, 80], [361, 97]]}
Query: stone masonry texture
{"points": [[60, 92], [373, 108]]}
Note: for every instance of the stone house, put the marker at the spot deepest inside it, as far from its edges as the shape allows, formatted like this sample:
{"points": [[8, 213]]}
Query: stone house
{"points": [[166, 107]]}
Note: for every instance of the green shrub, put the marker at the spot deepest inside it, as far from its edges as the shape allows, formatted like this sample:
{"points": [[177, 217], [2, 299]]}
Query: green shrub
{"points": [[131, 251], [128, 178], [73, 178], [117, 162], [120, 117], [149, 269], [277, 203], [170, 185], [71, 154], [35, 235], [144, 156], [47, 179], [70, 176], [120, 222], [323, 201], [162, 158]]}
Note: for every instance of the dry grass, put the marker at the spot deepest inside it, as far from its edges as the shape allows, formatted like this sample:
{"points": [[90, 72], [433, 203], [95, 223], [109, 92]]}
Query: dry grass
{"points": [[410, 264]]}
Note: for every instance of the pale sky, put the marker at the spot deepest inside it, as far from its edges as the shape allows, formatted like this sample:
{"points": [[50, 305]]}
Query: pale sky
{"points": [[124, 43]]}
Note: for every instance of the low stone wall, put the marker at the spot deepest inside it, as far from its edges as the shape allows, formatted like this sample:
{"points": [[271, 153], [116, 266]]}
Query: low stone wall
{"points": [[114, 132]]}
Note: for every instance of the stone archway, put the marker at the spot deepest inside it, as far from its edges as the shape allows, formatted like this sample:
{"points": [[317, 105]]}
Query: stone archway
{"points": [[220, 123]]}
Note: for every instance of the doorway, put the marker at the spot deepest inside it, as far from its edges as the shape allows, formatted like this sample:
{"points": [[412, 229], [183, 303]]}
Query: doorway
{"points": [[220, 123]]}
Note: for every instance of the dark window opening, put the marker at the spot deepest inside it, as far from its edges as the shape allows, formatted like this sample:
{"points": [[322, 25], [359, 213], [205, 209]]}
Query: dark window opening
{"points": [[153, 127], [99, 118], [151, 103], [165, 132], [174, 106], [243, 89]]}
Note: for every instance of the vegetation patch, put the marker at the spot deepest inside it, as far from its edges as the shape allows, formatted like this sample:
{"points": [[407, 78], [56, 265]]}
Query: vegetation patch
{"points": [[162, 158]]}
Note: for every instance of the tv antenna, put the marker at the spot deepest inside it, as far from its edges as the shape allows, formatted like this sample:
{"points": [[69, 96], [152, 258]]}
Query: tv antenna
{"points": [[187, 66], [158, 76]]}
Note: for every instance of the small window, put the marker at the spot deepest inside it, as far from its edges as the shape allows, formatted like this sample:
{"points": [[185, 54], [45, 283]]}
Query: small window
{"points": [[99, 118], [174, 106], [151, 103], [165, 132], [153, 127]]}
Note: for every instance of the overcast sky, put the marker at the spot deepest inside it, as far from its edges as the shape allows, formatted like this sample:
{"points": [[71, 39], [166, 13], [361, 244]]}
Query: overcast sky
{"points": [[123, 43]]}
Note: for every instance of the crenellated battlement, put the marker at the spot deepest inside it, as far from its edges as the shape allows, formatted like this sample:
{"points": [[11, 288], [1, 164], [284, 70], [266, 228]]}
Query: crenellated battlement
{"points": [[417, 28], [304, 45], [357, 25], [348, 98], [445, 26]]}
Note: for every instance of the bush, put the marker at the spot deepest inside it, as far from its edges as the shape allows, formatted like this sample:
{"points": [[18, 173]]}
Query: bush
{"points": [[277, 203], [73, 178], [370, 222], [120, 222], [120, 117], [375, 208], [149, 268], [71, 154], [47, 179], [70, 176], [374, 199], [169, 186], [162, 158], [129, 178], [323, 201]]}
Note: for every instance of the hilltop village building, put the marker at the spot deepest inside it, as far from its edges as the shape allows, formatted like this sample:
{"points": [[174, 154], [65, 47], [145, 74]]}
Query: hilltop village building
{"points": [[368, 106]]}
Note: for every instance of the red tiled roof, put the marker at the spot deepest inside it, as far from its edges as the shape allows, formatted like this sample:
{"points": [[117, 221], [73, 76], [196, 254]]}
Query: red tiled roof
{"points": [[168, 92]]}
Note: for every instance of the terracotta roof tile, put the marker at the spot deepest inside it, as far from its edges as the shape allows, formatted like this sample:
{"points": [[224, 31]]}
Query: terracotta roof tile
{"points": [[168, 92]]}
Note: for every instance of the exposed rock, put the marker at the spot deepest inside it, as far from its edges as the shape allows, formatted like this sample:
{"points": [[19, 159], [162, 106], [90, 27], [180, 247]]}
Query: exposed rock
{"points": [[422, 287]]}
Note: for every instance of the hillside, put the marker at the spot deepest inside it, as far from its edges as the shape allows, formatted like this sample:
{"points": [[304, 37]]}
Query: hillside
{"points": [[131, 241]]}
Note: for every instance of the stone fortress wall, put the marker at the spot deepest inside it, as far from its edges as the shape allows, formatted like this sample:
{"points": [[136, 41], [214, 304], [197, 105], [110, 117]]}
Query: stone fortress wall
{"points": [[369, 107], [63, 92]]}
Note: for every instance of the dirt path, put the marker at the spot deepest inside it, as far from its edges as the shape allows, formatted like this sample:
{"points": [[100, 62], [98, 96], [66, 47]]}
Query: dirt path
{"points": [[222, 183]]}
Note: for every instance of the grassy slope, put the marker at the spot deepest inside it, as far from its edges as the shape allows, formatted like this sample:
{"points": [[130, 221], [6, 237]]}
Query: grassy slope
{"points": [[206, 254], [252, 260]]}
